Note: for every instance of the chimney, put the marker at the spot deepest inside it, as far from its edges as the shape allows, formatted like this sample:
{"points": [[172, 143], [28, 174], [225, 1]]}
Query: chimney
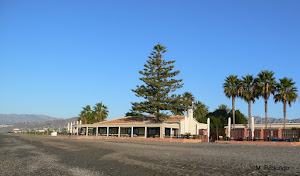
{"points": [[190, 113]]}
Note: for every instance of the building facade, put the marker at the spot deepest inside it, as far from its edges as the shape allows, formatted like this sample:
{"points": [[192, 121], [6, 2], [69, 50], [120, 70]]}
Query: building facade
{"points": [[142, 126]]}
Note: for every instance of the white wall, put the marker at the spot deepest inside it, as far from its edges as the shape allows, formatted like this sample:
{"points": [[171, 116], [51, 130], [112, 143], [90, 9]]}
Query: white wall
{"points": [[191, 124]]}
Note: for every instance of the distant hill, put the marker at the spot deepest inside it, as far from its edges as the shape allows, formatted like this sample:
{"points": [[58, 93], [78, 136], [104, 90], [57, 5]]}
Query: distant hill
{"points": [[12, 118], [257, 120], [58, 124]]}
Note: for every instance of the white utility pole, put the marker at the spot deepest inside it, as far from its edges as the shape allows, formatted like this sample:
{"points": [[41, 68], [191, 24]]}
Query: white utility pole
{"points": [[252, 127], [208, 129], [229, 127]]}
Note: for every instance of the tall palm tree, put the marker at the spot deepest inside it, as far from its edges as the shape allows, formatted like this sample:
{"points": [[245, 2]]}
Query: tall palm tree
{"points": [[232, 90], [249, 93], [266, 83], [285, 93], [101, 112]]}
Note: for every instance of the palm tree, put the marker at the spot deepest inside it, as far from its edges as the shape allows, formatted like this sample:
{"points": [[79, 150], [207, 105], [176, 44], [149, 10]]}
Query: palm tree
{"points": [[266, 84], [200, 110], [224, 107], [86, 114], [232, 90], [101, 112], [285, 93], [177, 108], [187, 100], [249, 93]]}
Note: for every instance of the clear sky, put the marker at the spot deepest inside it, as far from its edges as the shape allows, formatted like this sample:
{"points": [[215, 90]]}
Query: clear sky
{"points": [[58, 56]]}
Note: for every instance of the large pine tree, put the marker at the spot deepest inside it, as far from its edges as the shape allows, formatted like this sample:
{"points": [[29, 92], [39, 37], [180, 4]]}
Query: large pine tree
{"points": [[158, 85]]}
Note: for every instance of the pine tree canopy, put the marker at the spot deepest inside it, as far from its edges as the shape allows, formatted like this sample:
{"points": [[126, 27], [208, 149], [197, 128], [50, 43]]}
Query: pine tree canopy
{"points": [[159, 83]]}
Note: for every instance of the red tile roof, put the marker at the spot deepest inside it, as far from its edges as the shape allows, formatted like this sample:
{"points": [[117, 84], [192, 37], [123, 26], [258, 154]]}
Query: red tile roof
{"points": [[141, 119]]}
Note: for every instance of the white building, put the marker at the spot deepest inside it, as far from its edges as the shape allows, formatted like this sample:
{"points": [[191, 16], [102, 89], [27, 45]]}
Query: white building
{"points": [[143, 126], [16, 130]]}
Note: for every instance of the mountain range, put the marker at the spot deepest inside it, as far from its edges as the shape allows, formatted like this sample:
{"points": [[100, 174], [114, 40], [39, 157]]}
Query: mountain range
{"points": [[58, 124], [258, 120], [12, 118]]}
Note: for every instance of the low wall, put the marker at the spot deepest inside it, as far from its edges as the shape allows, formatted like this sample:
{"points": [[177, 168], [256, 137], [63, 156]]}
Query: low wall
{"points": [[260, 143], [141, 139], [262, 133]]}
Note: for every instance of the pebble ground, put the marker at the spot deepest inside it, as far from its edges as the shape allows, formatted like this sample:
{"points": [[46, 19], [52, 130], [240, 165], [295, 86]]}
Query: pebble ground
{"points": [[46, 155]]}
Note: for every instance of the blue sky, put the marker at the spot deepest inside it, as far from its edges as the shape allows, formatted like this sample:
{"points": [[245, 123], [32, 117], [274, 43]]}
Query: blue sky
{"points": [[58, 56]]}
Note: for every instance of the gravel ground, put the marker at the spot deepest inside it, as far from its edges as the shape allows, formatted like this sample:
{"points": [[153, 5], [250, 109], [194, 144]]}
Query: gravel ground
{"points": [[45, 155]]}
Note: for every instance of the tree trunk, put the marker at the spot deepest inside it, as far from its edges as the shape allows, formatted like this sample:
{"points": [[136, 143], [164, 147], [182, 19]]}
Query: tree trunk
{"points": [[284, 113], [233, 111], [249, 114], [266, 113], [100, 116], [266, 104], [217, 133]]}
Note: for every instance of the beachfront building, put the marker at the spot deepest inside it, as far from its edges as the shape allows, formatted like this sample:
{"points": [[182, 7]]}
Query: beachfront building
{"points": [[143, 126]]}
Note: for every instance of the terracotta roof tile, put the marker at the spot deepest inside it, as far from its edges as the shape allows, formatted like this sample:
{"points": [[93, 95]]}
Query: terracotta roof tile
{"points": [[140, 119], [174, 118]]}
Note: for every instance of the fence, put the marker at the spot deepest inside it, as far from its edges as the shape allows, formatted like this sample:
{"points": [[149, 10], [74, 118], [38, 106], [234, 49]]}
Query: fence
{"points": [[291, 135], [241, 134], [270, 133], [237, 134], [256, 134]]}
